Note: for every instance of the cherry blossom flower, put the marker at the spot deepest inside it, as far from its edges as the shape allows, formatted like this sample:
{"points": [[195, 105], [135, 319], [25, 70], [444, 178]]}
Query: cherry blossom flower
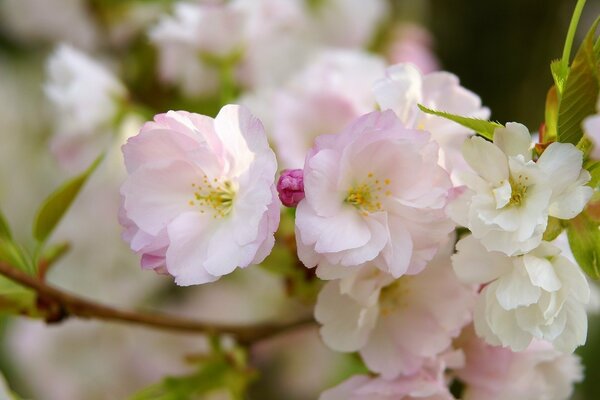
{"points": [[497, 373], [428, 383], [374, 193], [333, 17], [396, 325], [200, 194], [325, 97], [247, 35], [538, 295], [404, 87], [413, 44], [196, 30], [85, 96], [510, 197]]}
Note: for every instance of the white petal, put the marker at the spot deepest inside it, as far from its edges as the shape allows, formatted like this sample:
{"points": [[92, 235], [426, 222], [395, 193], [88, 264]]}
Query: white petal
{"points": [[541, 273], [486, 159], [513, 140], [474, 264]]}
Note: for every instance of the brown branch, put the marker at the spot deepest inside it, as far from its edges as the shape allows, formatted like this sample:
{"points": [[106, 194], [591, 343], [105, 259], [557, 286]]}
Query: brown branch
{"points": [[73, 305]]}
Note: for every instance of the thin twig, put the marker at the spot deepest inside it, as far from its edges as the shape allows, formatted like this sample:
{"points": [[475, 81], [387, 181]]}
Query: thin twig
{"points": [[73, 305]]}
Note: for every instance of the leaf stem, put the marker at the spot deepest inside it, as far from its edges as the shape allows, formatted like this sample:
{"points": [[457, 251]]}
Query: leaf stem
{"points": [[571, 33], [73, 305]]}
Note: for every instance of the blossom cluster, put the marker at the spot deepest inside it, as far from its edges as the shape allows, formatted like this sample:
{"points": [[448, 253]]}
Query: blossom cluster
{"points": [[429, 241], [377, 204]]}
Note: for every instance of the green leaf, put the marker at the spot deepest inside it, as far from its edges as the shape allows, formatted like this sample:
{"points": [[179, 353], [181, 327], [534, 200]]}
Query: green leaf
{"points": [[216, 373], [480, 126], [580, 91], [55, 205], [13, 254], [4, 228], [584, 238]]}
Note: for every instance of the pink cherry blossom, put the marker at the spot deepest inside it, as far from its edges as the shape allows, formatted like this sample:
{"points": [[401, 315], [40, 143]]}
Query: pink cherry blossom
{"points": [[374, 193], [325, 97], [404, 87], [497, 373], [200, 198], [428, 383], [395, 325]]}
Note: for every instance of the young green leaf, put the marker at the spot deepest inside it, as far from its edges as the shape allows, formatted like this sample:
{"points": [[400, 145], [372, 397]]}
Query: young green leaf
{"points": [[55, 205], [580, 91], [14, 255], [584, 238], [480, 126]]}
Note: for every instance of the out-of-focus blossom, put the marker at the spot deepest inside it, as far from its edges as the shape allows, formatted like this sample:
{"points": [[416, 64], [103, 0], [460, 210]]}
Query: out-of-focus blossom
{"points": [[374, 193], [200, 197], [290, 187], [412, 44], [50, 21], [428, 383], [497, 373], [333, 17], [85, 96], [510, 197], [396, 325], [194, 32], [331, 92], [539, 295], [278, 41], [591, 126], [404, 87], [246, 37]]}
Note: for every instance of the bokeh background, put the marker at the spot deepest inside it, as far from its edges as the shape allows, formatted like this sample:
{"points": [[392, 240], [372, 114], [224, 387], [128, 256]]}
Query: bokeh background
{"points": [[499, 49]]}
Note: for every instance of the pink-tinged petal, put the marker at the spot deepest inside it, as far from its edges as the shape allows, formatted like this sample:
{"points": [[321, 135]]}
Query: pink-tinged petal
{"points": [[268, 226], [346, 230], [187, 250], [200, 194], [155, 194], [400, 91], [346, 324], [321, 182]]}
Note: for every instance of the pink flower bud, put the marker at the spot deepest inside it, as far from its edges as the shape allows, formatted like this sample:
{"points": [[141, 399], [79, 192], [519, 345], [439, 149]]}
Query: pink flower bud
{"points": [[290, 187]]}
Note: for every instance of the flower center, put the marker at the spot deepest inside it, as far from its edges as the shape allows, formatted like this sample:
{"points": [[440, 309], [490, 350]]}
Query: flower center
{"points": [[366, 196], [216, 196], [518, 190], [394, 296]]}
